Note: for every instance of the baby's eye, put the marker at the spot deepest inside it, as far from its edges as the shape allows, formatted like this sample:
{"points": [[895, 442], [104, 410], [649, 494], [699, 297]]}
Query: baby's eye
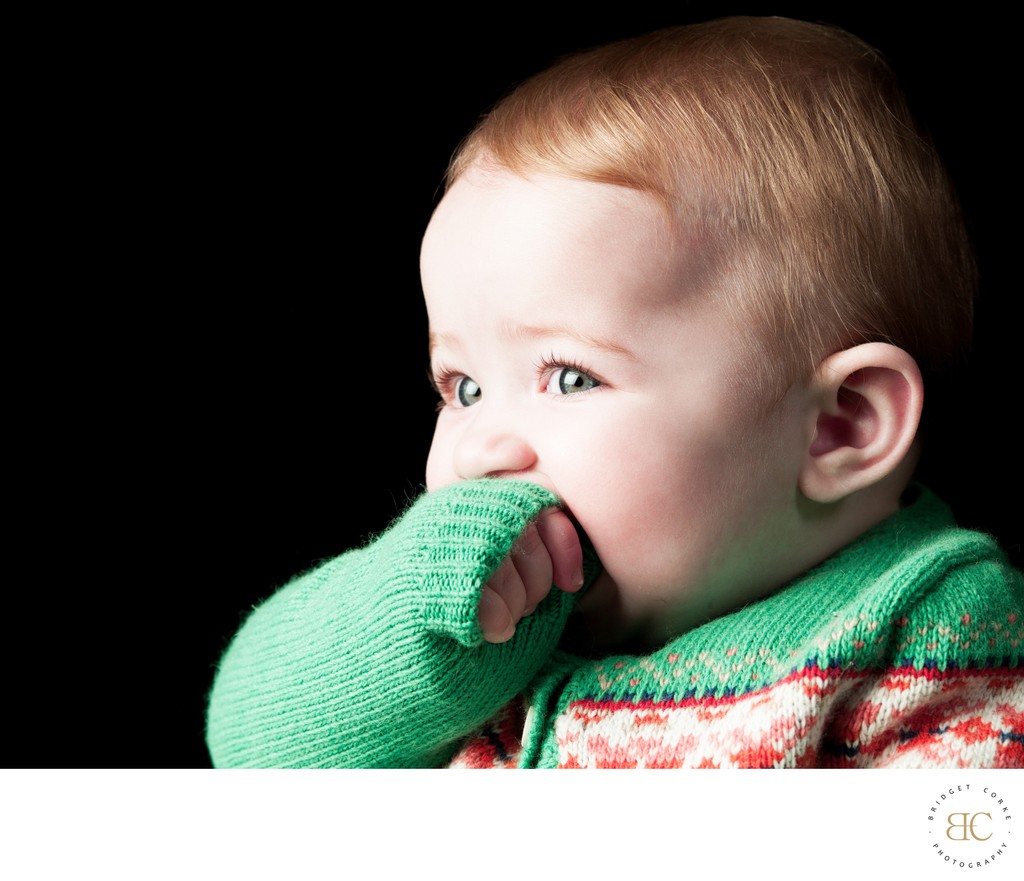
{"points": [[467, 392], [568, 380]]}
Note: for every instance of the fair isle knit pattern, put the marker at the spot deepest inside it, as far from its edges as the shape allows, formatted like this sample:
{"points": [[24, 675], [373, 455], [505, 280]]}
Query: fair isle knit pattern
{"points": [[902, 650], [812, 719]]}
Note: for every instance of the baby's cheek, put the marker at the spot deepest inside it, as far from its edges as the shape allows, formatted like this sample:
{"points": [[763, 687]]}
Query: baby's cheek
{"points": [[646, 553]]}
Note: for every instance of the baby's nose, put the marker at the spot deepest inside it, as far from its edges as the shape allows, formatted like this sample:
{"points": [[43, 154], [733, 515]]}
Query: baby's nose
{"points": [[486, 450]]}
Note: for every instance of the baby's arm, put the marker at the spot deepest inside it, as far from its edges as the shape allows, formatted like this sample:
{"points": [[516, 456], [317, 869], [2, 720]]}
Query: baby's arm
{"points": [[377, 658]]}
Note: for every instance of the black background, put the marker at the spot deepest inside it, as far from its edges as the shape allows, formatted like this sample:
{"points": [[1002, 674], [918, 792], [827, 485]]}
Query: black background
{"points": [[232, 384]]}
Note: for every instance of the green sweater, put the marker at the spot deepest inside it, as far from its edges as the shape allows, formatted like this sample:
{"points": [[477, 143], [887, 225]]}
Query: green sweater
{"points": [[904, 649]]}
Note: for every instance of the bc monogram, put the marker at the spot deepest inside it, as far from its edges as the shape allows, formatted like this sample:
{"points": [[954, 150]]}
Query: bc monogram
{"points": [[966, 825]]}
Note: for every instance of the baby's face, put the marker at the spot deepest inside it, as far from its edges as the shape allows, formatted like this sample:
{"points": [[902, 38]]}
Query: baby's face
{"points": [[571, 348]]}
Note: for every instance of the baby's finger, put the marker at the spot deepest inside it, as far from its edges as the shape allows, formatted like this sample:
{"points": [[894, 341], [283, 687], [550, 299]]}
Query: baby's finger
{"points": [[507, 583], [562, 541], [533, 564], [496, 622]]}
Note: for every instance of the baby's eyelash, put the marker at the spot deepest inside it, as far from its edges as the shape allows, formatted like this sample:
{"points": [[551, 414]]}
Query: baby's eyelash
{"points": [[441, 380], [551, 362]]}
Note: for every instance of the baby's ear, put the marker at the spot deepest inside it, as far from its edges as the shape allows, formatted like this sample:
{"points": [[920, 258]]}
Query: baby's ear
{"points": [[868, 403]]}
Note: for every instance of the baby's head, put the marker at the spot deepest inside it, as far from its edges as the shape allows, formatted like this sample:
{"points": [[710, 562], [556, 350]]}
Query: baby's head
{"points": [[785, 151], [690, 281]]}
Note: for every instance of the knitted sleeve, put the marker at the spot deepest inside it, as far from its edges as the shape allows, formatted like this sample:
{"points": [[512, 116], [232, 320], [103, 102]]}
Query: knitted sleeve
{"points": [[376, 659]]}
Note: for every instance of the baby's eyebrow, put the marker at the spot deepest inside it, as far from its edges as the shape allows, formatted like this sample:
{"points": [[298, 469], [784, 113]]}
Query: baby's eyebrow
{"points": [[529, 331], [533, 332], [439, 339]]}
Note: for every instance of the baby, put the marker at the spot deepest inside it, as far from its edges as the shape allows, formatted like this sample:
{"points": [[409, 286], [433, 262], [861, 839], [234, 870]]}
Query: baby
{"points": [[685, 294]]}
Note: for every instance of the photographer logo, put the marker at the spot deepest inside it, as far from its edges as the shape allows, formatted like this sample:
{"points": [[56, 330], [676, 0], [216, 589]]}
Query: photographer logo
{"points": [[970, 826]]}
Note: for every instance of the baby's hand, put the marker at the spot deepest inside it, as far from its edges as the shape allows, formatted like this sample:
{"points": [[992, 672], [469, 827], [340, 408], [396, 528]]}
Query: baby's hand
{"points": [[547, 553]]}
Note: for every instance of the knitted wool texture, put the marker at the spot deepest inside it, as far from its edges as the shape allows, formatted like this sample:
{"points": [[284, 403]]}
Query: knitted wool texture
{"points": [[903, 650], [376, 659]]}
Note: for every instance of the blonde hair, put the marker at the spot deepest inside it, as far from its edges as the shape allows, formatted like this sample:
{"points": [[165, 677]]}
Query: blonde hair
{"points": [[788, 149]]}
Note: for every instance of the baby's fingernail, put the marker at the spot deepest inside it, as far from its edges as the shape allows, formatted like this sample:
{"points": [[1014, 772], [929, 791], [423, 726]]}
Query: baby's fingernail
{"points": [[504, 636], [530, 610], [577, 577]]}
